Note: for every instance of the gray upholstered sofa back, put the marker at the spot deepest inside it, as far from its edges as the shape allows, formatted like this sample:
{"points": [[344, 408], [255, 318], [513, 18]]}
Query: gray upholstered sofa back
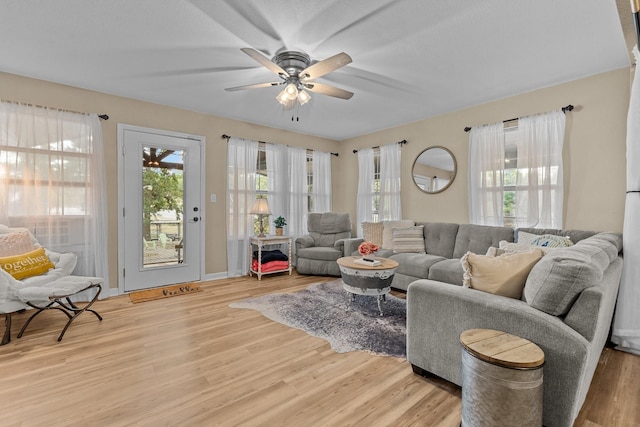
{"points": [[439, 238], [479, 238], [326, 228]]}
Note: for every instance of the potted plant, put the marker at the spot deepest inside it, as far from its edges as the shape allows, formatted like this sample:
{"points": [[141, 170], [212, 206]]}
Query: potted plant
{"points": [[279, 223]]}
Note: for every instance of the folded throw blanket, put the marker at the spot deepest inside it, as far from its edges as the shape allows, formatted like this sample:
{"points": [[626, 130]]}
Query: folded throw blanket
{"points": [[271, 266], [267, 256]]}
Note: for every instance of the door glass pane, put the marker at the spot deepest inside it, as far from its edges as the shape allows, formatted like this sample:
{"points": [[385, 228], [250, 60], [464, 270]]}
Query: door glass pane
{"points": [[162, 206]]}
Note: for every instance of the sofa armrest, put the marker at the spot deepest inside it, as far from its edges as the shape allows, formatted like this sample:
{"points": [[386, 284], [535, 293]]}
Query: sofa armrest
{"points": [[304, 242], [437, 313], [351, 245], [339, 246]]}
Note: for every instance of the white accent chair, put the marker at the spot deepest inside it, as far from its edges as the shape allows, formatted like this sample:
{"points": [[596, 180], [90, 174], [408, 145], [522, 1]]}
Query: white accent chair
{"points": [[51, 290]]}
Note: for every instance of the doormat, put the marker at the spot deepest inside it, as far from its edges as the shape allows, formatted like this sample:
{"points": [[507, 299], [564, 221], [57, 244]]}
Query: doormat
{"points": [[164, 292]]}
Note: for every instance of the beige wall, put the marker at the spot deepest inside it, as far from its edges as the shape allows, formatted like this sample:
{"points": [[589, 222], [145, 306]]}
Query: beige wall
{"points": [[594, 152], [129, 111]]}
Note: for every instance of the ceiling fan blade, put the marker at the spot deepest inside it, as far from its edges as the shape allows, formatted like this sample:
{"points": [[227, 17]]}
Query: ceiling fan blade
{"points": [[328, 90], [266, 62], [325, 66], [253, 86]]}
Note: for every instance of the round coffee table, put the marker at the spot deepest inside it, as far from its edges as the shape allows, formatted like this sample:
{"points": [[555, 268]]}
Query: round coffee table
{"points": [[362, 279]]}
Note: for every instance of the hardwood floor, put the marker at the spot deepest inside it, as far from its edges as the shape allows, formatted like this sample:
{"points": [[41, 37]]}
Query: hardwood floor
{"points": [[192, 360]]}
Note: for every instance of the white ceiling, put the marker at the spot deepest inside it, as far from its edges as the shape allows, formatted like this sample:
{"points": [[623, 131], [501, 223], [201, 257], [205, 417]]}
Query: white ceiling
{"points": [[412, 59]]}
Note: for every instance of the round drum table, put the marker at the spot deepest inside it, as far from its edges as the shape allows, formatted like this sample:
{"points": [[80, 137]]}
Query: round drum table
{"points": [[501, 379], [363, 279]]}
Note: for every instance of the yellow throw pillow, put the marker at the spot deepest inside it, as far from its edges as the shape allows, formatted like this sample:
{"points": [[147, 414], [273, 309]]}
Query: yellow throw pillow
{"points": [[503, 275], [32, 263]]}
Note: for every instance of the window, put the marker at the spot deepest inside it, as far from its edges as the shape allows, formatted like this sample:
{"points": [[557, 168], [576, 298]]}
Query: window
{"points": [[515, 174], [52, 181], [262, 184]]}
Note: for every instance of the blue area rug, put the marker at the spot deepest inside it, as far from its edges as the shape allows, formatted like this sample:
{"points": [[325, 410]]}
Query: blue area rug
{"points": [[322, 310]]}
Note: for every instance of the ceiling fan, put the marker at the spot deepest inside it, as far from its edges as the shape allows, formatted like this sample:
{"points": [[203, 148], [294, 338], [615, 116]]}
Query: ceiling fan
{"points": [[297, 74]]}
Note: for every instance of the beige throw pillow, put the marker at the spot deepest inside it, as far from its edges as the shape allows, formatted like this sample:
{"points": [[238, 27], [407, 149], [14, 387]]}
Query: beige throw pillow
{"points": [[503, 275], [372, 232], [15, 243], [409, 240], [387, 232]]}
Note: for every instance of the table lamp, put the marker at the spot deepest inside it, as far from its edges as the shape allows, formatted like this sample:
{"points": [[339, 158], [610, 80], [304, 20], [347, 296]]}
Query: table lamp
{"points": [[261, 208]]}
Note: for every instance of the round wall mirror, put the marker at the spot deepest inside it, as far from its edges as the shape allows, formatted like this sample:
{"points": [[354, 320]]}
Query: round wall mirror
{"points": [[434, 170]]}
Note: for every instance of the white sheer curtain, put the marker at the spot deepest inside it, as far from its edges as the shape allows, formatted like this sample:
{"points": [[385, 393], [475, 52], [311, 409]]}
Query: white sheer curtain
{"points": [[626, 323], [321, 181], [390, 208], [52, 181], [278, 181], [539, 184], [242, 157], [486, 174], [298, 197], [366, 171]]}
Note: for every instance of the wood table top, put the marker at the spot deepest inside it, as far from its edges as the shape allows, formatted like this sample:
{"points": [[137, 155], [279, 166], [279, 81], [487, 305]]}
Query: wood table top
{"points": [[385, 263], [501, 348]]}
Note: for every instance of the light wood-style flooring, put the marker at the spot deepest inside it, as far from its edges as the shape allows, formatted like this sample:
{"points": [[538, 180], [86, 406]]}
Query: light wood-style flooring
{"points": [[193, 361]]}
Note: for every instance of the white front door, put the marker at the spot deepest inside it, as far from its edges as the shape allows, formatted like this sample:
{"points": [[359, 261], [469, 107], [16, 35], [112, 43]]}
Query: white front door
{"points": [[161, 225]]}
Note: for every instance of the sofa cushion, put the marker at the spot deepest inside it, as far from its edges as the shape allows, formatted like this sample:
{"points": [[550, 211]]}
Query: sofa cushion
{"points": [[387, 231], [409, 240], [448, 271], [503, 275], [558, 279], [319, 253], [416, 265], [478, 238], [372, 232], [439, 238], [30, 264]]}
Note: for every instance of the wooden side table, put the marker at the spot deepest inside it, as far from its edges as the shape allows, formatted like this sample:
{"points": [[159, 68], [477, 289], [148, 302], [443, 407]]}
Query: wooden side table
{"points": [[501, 379], [261, 242]]}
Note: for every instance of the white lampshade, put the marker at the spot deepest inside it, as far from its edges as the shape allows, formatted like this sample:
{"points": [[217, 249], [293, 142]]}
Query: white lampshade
{"points": [[261, 207], [291, 90], [303, 97]]}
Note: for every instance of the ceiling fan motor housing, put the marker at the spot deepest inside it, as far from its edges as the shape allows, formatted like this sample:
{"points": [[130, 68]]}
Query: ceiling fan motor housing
{"points": [[292, 62]]}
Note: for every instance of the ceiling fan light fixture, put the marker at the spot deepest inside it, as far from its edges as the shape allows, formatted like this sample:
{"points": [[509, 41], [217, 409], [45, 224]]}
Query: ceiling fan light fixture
{"points": [[292, 91], [283, 97], [303, 97]]}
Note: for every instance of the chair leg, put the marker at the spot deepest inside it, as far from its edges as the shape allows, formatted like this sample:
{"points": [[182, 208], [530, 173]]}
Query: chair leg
{"points": [[6, 339], [69, 308]]}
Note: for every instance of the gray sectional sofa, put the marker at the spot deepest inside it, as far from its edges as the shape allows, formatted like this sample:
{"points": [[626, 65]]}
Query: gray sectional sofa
{"points": [[566, 308]]}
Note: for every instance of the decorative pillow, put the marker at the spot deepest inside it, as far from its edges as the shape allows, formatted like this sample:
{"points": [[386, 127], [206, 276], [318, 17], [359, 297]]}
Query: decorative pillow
{"points": [[493, 251], [409, 240], [372, 232], [33, 263], [557, 281], [15, 243], [524, 237], [552, 241], [503, 275], [387, 231]]}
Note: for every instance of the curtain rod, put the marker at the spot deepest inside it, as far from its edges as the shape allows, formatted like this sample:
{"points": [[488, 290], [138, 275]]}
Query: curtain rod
{"points": [[102, 116], [225, 136], [564, 110], [404, 141]]}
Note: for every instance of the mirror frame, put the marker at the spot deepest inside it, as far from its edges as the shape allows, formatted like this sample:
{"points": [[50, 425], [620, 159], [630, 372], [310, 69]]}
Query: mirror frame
{"points": [[453, 176]]}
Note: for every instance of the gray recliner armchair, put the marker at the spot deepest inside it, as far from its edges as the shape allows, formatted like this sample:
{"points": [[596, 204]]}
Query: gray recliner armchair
{"points": [[317, 252]]}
